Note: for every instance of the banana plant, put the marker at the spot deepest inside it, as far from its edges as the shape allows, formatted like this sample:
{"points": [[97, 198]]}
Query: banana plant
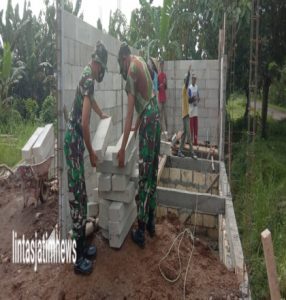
{"points": [[9, 75]]}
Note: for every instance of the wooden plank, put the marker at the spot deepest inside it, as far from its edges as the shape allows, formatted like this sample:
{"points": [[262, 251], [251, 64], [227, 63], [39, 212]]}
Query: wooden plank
{"points": [[203, 203], [212, 184], [161, 167], [270, 264], [200, 165]]}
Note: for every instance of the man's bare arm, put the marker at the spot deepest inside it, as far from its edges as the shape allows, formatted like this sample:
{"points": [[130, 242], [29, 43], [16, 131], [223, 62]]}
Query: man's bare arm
{"points": [[86, 109]]}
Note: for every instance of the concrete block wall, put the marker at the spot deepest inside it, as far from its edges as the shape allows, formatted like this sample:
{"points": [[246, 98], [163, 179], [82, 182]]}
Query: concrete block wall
{"points": [[189, 180], [79, 40], [207, 72]]}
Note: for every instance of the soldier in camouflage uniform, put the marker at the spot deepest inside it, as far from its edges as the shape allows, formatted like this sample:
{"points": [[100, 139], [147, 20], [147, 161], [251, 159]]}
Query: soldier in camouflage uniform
{"points": [[139, 88], [78, 134]]}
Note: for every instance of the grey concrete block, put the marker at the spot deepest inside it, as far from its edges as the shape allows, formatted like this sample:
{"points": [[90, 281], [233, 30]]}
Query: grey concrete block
{"points": [[107, 165], [27, 153], [44, 145], [127, 196], [104, 207], [116, 228], [102, 221], [92, 209], [116, 82], [135, 176], [128, 149], [95, 196], [102, 137], [212, 84], [115, 240], [212, 103], [103, 213], [118, 211], [104, 182], [119, 182]]}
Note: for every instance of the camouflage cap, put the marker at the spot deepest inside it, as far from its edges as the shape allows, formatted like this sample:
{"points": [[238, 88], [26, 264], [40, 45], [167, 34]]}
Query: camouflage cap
{"points": [[124, 50], [100, 54]]}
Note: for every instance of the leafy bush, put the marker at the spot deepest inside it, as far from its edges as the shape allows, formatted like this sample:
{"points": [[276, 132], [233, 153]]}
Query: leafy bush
{"points": [[277, 92], [9, 119], [32, 107], [48, 113]]}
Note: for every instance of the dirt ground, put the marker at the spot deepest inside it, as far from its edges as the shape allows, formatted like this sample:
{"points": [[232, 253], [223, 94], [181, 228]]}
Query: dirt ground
{"points": [[128, 273]]}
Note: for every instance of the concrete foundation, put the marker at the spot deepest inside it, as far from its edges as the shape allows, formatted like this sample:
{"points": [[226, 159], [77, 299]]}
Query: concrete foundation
{"points": [[212, 214]]}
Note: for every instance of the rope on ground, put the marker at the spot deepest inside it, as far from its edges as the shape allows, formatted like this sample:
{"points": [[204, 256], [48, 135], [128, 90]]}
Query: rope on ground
{"points": [[180, 237]]}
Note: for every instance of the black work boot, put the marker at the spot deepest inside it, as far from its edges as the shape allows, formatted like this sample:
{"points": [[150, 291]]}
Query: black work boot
{"points": [[138, 235], [82, 265], [151, 223], [89, 251]]}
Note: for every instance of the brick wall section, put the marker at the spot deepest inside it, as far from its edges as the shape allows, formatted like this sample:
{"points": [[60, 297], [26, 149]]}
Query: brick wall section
{"points": [[207, 72]]}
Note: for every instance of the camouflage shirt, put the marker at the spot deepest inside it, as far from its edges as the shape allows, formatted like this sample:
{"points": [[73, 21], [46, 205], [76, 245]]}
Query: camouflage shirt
{"points": [[139, 83], [84, 88]]}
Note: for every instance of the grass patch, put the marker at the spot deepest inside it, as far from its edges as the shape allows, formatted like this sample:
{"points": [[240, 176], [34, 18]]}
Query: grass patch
{"points": [[236, 106], [259, 189], [12, 141]]}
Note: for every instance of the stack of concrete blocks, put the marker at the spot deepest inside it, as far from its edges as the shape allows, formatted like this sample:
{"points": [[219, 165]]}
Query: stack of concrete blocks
{"points": [[100, 141], [117, 189], [40, 147]]}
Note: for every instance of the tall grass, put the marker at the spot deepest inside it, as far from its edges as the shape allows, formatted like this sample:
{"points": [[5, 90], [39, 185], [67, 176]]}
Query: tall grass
{"points": [[259, 190], [12, 139]]}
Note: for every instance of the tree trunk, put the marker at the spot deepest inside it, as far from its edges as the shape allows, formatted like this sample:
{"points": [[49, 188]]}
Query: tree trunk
{"points": [[266, 85], [247, 106]]}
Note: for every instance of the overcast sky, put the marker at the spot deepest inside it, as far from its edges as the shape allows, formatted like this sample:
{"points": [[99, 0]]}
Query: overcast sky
{"points": [[92, 9]]}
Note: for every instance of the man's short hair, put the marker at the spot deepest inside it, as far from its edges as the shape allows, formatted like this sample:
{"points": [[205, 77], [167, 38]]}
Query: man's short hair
{"points": [[124, 50]]}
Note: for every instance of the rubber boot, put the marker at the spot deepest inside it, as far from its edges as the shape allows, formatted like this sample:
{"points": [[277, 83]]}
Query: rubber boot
{"points": [[151, 223], [138, 235], [82, 265], [89, 251]]}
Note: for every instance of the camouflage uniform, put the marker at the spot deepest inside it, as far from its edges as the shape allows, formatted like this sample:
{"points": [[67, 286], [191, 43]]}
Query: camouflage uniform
{"points": [[74, 153], [139, 84]]}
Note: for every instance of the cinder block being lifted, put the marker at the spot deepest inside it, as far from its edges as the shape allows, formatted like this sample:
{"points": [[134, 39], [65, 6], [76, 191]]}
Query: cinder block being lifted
{"points": [[119, 182], [104, 182], [128, 149], [127, 196], [102, 137], [44, 146], [116, 240], [27, 153], [107, 166]]}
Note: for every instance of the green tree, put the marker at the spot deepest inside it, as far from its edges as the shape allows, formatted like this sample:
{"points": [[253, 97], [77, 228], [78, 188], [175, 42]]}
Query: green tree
{"points": [[49, 110], [118, 25], [99, 24], [273, 48], [9, 75]]}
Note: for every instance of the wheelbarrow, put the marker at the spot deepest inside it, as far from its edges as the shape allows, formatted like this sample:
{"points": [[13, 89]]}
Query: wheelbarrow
{"points": [[34, 180]]}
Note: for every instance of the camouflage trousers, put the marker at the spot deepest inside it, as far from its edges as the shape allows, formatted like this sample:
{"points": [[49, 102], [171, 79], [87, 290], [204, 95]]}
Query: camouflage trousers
{"points": [[149, 149], [74, 153]]}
